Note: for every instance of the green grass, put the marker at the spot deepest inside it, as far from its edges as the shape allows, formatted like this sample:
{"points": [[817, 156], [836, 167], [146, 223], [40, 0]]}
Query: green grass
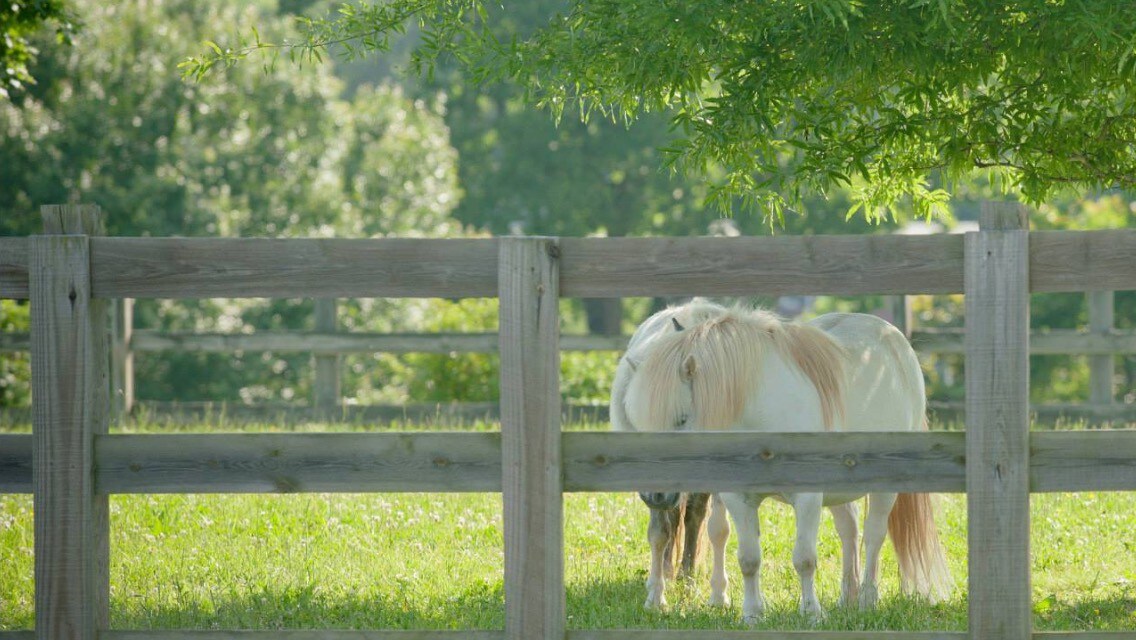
{"points": [[435, 561]]}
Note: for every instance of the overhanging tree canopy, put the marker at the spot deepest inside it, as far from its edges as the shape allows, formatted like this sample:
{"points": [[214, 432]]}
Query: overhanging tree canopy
{"points": [[893, 98], [20, 19]]}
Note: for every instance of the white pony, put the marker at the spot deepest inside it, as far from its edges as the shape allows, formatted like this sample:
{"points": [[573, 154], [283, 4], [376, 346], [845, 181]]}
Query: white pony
{"points": [[749, 370]]}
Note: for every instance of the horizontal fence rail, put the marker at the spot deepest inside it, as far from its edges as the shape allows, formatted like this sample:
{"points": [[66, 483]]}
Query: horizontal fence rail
{"points": [[593, 267], [14, 268], [591, 461]]}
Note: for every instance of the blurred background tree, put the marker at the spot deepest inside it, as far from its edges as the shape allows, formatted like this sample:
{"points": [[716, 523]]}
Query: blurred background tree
{"points": [[19, 21], [254, 151]]}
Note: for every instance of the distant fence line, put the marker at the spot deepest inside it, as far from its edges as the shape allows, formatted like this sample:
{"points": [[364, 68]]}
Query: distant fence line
{"points": [[1101, 343], [71, 463]]}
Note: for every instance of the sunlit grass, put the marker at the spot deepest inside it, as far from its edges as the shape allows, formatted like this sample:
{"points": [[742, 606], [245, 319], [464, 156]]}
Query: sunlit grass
{"points": [[435, 561]]}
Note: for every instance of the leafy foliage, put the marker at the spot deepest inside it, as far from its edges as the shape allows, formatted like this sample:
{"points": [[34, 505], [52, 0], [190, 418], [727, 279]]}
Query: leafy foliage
{"points": [[15, 383], [244, 152], [19, 20], [892, 99]]}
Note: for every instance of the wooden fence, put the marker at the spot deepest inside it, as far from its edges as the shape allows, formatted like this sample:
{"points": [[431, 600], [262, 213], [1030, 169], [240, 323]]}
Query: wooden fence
{"points": [[70, 463]]}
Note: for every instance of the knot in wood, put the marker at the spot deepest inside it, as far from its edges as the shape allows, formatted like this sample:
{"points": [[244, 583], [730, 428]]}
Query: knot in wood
{"points": [[849, 461], [601, 461], [441, 462], [766, 454]]}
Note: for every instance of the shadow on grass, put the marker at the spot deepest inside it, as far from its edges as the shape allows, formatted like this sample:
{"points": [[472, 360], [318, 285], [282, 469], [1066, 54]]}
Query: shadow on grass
{"points": [[1104, 614], [597, 605], [310, 608], [619, 604]]}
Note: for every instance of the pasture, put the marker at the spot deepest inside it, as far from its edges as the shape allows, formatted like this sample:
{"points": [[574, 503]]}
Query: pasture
{"points": [[434, 561]]}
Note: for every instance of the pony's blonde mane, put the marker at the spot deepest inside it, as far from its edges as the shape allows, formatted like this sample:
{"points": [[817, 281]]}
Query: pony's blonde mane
{"points": [[726, 353]]}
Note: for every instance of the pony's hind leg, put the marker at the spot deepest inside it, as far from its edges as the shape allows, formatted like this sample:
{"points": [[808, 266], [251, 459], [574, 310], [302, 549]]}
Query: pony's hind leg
{"points": [[846, 517], [744, 513], [718, 529], [661, 532], [807, 508], [875, 530]]}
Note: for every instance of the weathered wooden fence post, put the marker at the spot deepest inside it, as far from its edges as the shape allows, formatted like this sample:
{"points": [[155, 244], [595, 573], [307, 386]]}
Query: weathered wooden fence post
{"points": [[997, 424], [326, 388], [1101, 367], [70, 404], [529, 284], [902, 316]]}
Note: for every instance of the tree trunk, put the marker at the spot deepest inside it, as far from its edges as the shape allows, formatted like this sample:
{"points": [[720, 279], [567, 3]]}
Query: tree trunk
{"points": [[605, 316]]}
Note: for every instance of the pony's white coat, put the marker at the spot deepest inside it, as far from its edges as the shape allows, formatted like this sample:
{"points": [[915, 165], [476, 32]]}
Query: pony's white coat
{"points": [[848, 372]]}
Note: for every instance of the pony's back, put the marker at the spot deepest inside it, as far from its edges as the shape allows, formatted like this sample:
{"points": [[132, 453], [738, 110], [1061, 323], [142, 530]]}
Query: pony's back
{"points": [[884, 386]]}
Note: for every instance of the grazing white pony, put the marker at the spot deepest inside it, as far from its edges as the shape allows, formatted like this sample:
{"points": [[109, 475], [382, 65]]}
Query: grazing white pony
{"points": [[749, 370]]}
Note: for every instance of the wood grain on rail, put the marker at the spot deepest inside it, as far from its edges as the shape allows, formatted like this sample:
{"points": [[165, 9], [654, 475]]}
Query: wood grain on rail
{"points": [[1096, 460], [294, 268], [294, 463], [846, 265], [1082, 260], [14, 268], [772, 462]]}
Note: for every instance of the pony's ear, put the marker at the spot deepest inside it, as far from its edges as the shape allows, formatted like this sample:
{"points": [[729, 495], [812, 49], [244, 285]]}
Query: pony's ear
{"points": [[688, 368], [677, 326]]}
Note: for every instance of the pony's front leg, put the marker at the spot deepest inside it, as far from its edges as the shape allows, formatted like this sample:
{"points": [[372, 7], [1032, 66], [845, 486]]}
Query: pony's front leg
{"points": [[846, 517], [661, 536], [807, 507], [718, 528], [744, 513]]}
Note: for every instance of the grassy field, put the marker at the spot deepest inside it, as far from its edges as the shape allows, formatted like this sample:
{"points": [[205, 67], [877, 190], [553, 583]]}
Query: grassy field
{"points": [[435, 561]]}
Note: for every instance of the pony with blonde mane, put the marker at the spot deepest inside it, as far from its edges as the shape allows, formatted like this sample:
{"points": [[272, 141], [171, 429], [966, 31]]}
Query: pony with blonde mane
{"points": [[742, 369]]}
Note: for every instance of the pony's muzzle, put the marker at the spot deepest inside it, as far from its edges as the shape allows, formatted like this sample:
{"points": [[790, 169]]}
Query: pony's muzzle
{"points": [[659, 500]]}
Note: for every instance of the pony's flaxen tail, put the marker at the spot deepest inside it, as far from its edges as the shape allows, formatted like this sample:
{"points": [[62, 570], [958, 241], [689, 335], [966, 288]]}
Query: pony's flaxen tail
{"points": [[922, 562], [694, 531], [683, 526]]}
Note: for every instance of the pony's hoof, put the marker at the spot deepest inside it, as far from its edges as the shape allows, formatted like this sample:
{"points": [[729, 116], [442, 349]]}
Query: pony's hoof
{"points": [[850, 595], [655, 603], [720, 600], [869, 597], [754, 614], [812, 612]]}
